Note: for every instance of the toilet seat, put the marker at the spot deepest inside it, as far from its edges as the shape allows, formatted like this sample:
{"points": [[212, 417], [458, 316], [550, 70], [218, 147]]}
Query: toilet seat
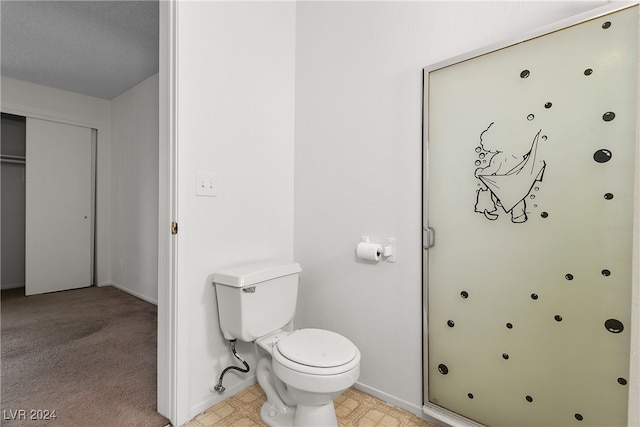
{"points": [[316, 352]]}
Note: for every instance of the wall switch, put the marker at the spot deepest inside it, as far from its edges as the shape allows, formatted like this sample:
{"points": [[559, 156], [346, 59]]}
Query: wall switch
{"points": [[206, 185]]}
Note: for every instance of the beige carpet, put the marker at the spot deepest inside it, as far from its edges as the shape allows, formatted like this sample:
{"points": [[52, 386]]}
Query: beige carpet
{"points": [[87, 354]]}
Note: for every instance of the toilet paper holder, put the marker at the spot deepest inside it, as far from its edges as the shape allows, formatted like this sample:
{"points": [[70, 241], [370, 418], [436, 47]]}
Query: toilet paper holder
{"points": [[386, 251]]}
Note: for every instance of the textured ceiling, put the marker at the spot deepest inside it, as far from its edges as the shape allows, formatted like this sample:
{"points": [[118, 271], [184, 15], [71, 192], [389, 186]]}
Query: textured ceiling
{"points": [[98, 48]]}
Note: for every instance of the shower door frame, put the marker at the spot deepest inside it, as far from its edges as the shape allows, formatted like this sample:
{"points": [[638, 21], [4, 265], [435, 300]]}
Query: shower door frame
{"points": [[429, 238]]}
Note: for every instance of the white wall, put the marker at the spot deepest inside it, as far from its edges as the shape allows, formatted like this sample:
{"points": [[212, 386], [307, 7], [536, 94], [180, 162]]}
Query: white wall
{"points": [[235, 111], [358, 164], [134, 183], [32, 100]]}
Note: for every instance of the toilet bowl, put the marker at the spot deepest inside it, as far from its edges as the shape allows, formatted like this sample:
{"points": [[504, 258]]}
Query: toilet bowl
{"points": [[302, 373]]}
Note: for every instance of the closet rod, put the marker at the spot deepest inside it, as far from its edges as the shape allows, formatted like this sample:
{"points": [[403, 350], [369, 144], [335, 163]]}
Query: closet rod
{"points": [[17, 160]]}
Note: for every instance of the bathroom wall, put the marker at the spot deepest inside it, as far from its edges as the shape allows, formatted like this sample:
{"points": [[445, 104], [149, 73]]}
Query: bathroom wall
{"points": [[28, 99], [134, 181], [235, 111], [358, 164]]}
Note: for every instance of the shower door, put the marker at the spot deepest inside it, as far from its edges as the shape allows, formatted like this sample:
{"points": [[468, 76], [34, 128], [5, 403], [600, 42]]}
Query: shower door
{"points": [[530, 153]]}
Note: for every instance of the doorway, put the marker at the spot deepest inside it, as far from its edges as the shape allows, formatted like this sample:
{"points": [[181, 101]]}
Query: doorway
{"points": [[48, 192]]}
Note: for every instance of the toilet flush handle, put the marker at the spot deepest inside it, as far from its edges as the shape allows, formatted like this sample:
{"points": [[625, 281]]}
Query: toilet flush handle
{"points": [[249, 290]]}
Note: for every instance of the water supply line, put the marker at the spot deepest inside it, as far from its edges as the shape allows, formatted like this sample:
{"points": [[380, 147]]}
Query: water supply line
{"points": [[232, 343]]}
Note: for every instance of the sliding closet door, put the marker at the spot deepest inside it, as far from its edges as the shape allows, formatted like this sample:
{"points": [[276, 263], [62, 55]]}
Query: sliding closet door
{"points": [[58, 207]]}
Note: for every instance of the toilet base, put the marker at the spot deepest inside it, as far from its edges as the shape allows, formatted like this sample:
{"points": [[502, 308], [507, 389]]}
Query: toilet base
{"points": [[301, 415], [274, 418], [289, 406], [316, 416]]}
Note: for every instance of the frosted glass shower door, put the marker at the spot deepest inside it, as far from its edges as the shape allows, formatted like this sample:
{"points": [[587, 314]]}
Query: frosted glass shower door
{"points": [[529, 191]]}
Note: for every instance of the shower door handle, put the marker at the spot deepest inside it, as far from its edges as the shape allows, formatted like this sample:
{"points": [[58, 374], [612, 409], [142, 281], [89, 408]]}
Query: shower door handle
{"points": [[428, 237]]}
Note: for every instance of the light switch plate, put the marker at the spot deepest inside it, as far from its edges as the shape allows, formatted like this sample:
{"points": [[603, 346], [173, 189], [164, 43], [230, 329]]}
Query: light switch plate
{"points": [[206, 185]]}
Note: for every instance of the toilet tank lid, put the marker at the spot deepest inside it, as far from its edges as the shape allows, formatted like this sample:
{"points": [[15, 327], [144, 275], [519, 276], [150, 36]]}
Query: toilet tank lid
{"points": [[252, 273]]}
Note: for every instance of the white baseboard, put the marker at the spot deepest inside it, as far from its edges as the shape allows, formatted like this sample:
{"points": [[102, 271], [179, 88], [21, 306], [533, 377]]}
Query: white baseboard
{"points": [[129, 291], [219, 397], [402, 404]]}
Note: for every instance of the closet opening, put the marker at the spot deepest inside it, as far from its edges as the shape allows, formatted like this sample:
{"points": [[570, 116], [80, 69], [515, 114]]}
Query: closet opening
{"points": [[48, 205]]}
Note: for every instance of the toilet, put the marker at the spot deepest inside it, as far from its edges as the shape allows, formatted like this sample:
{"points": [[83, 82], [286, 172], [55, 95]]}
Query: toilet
{"points": [[300, 371]]}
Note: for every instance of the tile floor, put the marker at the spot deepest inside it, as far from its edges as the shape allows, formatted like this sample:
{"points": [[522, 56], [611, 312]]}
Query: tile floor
{"points": [[353, 409]]}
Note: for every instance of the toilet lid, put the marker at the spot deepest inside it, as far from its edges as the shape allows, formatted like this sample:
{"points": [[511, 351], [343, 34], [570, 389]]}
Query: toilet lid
{"points": [[318, 348]]}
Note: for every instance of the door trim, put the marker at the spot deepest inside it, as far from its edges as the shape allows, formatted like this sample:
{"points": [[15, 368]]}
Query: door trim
{"points": [[173, 372]]}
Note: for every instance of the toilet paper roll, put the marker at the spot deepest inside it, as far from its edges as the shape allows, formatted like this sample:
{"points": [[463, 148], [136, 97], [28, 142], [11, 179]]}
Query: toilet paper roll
{"points": [[369, 251]]}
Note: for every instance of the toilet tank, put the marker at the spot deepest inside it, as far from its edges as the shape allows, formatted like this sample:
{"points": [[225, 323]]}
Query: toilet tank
{"points": [[256, 298]]}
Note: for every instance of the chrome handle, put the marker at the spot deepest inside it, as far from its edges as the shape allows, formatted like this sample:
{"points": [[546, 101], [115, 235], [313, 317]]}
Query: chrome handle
{"points": [[428, 237]]}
